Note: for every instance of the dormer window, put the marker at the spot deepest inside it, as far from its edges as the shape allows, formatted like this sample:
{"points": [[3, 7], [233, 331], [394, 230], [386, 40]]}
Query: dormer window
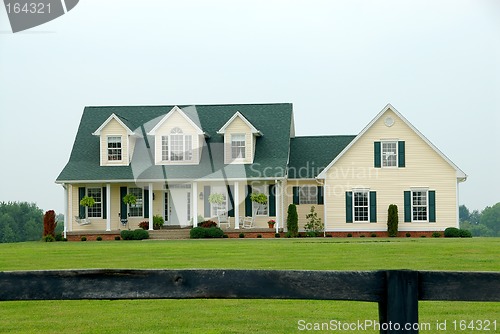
{"points": [[114, 148], [177, 146], [238, 146]]}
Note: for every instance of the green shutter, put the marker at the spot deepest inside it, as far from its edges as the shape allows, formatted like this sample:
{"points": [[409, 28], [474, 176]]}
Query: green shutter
{"points": [[206, 203], [295, 195], [145, 207], [401, 154], [272, 200], [373, 207], [432, 206], [378, 154], [123, 206], [407, 196], [81, 209], [230, 192], [321, 199], [248, 202], [348, 206], [104, 203]]}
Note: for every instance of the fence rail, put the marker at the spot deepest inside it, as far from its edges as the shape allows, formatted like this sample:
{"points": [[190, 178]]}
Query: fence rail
{"points": [[396, 291]]}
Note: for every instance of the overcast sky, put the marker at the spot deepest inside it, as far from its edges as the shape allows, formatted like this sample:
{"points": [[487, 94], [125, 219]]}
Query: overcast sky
{"points": [[338, 62]]}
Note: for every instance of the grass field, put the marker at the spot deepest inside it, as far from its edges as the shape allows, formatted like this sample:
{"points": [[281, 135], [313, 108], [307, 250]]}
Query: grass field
{"points": [[239, 316]]}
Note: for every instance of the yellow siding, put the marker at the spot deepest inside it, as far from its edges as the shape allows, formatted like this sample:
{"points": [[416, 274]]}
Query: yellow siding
{"points": [[177, 120], [302, 209], [238, 126], [424, 168], [113, 128]]}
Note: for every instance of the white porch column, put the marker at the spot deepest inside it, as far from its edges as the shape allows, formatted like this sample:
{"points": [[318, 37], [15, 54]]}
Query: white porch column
{"points": [[194, 198], [150, 208], [236, 200], [70, 208], [278, 197], [108, 207], [66, 211]]}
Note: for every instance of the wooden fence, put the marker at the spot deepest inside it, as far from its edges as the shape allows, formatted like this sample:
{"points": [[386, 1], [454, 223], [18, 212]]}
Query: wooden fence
{"points": [[397, 292]]}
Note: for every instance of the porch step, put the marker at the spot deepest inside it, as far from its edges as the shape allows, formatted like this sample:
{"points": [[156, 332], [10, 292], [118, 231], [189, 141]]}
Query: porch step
{"points": [[170, 234]]}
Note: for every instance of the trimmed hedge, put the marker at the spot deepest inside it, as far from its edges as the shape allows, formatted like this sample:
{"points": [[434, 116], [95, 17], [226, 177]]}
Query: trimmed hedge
{"points": [[202, 232], [453, 232], [138, 234]]}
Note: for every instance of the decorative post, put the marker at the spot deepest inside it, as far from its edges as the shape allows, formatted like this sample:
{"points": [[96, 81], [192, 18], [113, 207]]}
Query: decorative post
{"points": [[236, 201]]}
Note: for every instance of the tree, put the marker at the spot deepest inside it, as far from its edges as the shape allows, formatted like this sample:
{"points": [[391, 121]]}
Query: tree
{"points": [[49, 223], [314, 225], [292, 220], [22, 220], [491, 218], [463, 213], [392, 220]]}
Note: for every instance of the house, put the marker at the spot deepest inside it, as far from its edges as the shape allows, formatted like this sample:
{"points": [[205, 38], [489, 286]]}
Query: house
{"points": [[172, 158]]}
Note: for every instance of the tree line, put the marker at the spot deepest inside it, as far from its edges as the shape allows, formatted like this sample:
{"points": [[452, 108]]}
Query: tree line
{"points": [[484, 223], [22, 221]]}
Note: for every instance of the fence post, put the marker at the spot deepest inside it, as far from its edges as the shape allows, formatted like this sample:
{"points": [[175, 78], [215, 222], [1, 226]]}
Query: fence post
{"points": [[399, 307]]}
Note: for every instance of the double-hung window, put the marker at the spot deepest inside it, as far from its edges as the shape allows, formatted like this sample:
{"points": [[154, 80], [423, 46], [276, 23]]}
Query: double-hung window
{"points": [[114, 148], [177, 146], [419, 205], [136, 210], [361, 205], [238, 146], [95, 211], [389, 154], [308, 195]]}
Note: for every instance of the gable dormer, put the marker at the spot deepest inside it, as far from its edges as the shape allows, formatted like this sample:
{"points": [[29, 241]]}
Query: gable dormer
{"points": [[239, 140], [116, 142], [178, 139]]}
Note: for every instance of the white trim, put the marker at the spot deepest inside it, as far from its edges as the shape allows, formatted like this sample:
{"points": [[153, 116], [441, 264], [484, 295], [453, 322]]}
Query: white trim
{"points": [[108, 207], [173, 180], [238, 114], [458, 205], [389, 141], [150, 205], [420, 189], [324, 208], [236, 201], [170, 113], [70, 210], [116, 118], [66, 210], [460, 174], [361, 190]]}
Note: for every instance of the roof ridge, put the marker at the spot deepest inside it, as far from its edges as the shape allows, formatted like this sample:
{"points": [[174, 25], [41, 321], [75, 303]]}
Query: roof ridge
{"points": [[184, 105], [324, 136]]}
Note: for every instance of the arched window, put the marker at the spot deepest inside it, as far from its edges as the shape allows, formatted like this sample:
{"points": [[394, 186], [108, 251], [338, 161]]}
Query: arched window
{"points": [[177, 146]]}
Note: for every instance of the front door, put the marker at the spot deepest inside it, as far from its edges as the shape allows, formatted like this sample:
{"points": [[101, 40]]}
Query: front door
{"points": [[178, 205]]}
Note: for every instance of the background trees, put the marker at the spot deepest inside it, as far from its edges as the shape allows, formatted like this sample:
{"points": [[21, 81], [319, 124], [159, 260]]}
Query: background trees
{"points": [[20, 222], [484, 224]]}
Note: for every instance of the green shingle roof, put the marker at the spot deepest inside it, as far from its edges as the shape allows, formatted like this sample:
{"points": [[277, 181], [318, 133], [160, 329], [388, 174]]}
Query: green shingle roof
{"points": [[310, 155], [271, 154]]}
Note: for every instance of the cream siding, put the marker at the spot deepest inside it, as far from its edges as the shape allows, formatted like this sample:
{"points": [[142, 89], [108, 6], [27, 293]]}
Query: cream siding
{"points": [[173, 121], [424, 168], [113, 128], [302, 209], [238, 126]]}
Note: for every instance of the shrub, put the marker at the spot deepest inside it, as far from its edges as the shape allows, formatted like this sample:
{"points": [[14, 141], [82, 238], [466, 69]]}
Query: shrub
{"points": [[207, 224], [49, 223], [259, 235], [349, 235], [452, 232], [99, 238], [65, 239], [373, 235], [117, 238], [144, 225], [59, 237], [277, 235], [329, 236], [288, 235], [292, 220], [241, 235], [362, 236], [436, 235], [423, 236], [465, 233], [408, 234], [202, 232], [83, 238], [392, 220], [225, 236], [138, 234], [314, 227], [48, 238], [158, 222]]}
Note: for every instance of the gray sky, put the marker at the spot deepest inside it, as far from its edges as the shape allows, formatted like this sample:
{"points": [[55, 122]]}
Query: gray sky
{"points": [[338, 62]]}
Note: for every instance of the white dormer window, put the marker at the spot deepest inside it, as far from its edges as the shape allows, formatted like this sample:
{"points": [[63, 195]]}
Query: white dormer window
{"points": [[238, 146], [114, 148], [177, 146]]}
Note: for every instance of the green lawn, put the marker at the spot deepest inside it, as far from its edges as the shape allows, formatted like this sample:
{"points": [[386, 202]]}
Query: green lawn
{"points": [[238, 316]]}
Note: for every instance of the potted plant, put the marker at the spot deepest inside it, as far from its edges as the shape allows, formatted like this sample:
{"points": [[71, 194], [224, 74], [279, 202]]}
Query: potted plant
{"points": [[271, 223], [130, 199], [258, 198], [216, 198], [87, 201]]}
